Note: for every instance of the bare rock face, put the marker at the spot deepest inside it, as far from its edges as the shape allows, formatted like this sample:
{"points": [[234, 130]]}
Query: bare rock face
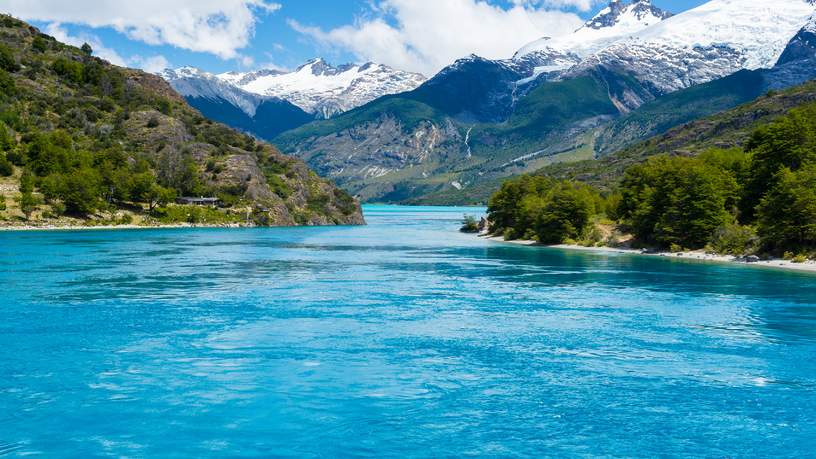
{"points": [[358, 157]]}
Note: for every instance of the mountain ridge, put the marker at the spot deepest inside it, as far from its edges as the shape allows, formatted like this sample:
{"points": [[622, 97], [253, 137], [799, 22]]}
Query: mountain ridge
{"points": [[324, 90], [490, 118]]}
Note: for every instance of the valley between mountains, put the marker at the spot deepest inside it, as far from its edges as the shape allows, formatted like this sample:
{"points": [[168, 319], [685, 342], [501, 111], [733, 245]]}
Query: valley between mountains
{"points": [[630, 73]]}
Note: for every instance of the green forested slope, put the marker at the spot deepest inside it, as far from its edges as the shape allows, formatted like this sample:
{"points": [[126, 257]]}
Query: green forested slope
{"points": [[757, 196], [85, 141]]}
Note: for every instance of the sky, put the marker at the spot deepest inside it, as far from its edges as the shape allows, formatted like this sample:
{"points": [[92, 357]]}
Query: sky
{"points": [[224, 35]]}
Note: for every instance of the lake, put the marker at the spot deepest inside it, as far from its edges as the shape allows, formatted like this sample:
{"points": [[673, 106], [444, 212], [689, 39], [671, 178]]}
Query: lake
{"points": [[404, 338]]}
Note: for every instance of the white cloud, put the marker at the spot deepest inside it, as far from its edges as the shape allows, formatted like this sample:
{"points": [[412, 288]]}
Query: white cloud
{"points": [[220, 27], [149, 64], [582, 5], [427, 35], [100, 50], [152, 64]]}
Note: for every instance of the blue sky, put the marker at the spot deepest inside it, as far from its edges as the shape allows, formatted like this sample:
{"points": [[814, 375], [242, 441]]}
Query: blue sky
{"points": [[223, 35]]}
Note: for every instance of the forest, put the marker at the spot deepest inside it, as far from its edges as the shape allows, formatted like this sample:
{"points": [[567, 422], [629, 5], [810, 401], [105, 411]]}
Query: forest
{"points": [[759, 199]]}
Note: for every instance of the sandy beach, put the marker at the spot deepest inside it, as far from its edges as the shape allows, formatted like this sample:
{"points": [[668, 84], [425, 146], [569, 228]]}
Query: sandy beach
{"points": [[698, 255]]}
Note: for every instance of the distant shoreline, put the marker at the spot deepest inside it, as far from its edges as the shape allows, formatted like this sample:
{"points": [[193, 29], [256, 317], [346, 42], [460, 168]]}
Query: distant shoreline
{"points": [[116, 227], [699, 255]]}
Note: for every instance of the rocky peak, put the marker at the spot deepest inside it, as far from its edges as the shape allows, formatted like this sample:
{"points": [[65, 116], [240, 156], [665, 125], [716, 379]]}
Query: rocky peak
{"points": [[801, 47], [618, 10]]}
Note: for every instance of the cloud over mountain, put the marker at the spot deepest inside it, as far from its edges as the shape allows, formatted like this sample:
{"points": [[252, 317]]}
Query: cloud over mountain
{"points": [[426, 35], [219, 27]]}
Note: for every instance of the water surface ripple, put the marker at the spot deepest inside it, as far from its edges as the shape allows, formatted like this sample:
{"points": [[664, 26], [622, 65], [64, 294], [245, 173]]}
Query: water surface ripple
{"points": [[400, 339]]}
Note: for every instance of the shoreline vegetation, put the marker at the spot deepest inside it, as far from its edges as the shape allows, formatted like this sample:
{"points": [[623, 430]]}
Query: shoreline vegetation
{"points": [[754, 204], [697, 255]]}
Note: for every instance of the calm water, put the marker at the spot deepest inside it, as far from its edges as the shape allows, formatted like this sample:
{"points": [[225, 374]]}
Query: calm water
{"points": [[400, 339]]}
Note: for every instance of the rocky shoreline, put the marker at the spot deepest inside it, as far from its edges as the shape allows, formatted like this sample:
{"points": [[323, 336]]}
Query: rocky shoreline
{"points": [[698, 255], [118, 227]]}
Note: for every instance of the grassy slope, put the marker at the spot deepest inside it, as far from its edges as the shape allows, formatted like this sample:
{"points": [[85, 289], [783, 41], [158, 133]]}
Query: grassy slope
{"points": [[546, 123], [723, 130], [680, 107], [103, 106]]}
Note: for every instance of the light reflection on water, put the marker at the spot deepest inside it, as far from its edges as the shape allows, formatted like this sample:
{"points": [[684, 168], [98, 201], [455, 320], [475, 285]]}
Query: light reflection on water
{"points": [[402, 338]]}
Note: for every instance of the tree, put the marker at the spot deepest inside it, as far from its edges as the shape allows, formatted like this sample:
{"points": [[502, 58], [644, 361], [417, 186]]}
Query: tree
{"points": [[7, 60], [787, 213], [6, 168], [49, 154], [141, 186], [39, 44], [508, 212], [696, 206], [8, 87], [469, 225], [81, 191], [674, 200], [789, 142], [27, 203], [26, 199], [566, 214], [26, 182], [159, 196], [7, 141], [86, 49]]}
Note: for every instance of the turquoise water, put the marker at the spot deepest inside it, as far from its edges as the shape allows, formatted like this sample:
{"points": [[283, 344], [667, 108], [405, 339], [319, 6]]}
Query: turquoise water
{"points": [[400, 339]]}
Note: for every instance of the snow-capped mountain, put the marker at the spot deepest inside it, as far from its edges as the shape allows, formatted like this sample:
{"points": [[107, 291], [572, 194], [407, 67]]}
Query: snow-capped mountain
{"points": [[264, 116], [711, 41], [480, 119], [324, 90], [615, 22], [191, 82]]}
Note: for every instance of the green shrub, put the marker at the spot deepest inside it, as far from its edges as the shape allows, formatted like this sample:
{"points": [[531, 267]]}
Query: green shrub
{"points": [[345, 202], [317, 202], [551, 210], [566, 213], [40, 44], [593, 238], [7, 140], [8, 87], [27, 203], [6, 168], [7, 60], [469, 225], [676, 200], [69, 70], [787, 213], [195, 215], [734, 239]]}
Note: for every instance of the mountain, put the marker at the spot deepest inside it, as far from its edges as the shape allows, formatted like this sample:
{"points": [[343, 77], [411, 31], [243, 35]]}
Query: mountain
{"points": [[796, 65], [262, 116], [87, 142], [323, 90], [479, 120], [727, 129], [614, 23], [711, 41]]}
